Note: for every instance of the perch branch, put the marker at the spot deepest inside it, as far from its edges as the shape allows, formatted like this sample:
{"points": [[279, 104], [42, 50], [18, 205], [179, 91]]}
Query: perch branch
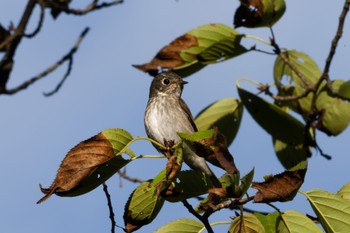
{"points": [[110, 207], [203, 219]]}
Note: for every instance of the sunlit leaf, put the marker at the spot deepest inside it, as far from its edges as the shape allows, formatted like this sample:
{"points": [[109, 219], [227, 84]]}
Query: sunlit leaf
{"points": [[246, 223], [226, 114], [284, 75], [142, 207], [294, 222], [90, 163], [344, 192], [332, 211], [182, 225], [191, 52], [334, 112], [344, 90], [268, 221]]}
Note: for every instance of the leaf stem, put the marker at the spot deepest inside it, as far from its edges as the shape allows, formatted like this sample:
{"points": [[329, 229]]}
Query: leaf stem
{"points": [[149, 157], [257, 38], [248, 80]]}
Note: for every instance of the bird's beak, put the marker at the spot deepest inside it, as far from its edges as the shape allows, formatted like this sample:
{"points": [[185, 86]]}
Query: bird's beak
{"points": [[184, 82]]}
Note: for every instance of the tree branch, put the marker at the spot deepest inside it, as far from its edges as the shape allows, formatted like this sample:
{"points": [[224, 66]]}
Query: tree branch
{"points": [[123, 175], [40, 23], [110, 207], [89, 8], [203, 219], [11, 44], [67, 57]]}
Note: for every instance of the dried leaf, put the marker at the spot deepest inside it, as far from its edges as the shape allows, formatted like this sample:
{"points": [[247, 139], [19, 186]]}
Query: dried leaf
{"points": [[259, 13], [169, 56], [282, 187], [221, 156], [212, 146], [174, 162], [89, 164], [207, 44]]}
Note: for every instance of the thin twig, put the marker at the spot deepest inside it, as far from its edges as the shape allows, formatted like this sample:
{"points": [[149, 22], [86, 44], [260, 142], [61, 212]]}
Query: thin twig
{"points": [[91, 7], [51, 68], [69, 69], [204, 220], [336, 39], [123, 175], [110, 207], [40, 23], [232, 203]]}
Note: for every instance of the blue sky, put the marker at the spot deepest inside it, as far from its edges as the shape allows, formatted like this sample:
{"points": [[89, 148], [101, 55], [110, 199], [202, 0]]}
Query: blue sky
{"points": [[105, 91]]}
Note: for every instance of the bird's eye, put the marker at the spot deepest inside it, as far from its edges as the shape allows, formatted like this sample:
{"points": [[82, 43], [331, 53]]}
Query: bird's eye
{"points": [[166, 81]]}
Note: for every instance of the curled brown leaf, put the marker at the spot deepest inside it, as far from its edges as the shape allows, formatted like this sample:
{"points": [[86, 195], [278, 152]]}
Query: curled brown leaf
{"points": [[169, 56], [249, 13], [79, 163], [216, 152], [282, 187]]}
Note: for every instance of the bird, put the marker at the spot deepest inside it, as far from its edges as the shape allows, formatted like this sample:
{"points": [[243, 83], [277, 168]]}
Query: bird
{"points": [[167, 114]]}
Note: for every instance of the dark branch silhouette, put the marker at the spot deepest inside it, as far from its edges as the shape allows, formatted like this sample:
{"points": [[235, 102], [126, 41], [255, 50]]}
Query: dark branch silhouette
{"points": [[14, 36], [110, 207]]}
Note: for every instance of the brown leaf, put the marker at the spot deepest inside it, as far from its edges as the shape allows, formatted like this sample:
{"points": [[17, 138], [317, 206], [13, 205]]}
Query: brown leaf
{"points": [[249, 13], [79, 163], [220, 155], [282, 187], [169, 56], [4, 35]]}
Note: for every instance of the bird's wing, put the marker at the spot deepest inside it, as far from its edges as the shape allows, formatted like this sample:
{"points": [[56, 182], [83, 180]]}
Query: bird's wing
{"points": [[189, 114]]}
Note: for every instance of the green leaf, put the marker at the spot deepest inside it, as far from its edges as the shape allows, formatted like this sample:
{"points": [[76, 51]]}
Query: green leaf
{"points": [[246, 182], [119, 138], [335, 112], [294, 222], [344, 192], [226, 114], [210, 43], [344, 90], [268, 221], [197, 136], [274, 120], [216, 42], [142, 207], [182, 225], [332, 211], [191, 184], [250, 224], [290, 155], [306, 66]]}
